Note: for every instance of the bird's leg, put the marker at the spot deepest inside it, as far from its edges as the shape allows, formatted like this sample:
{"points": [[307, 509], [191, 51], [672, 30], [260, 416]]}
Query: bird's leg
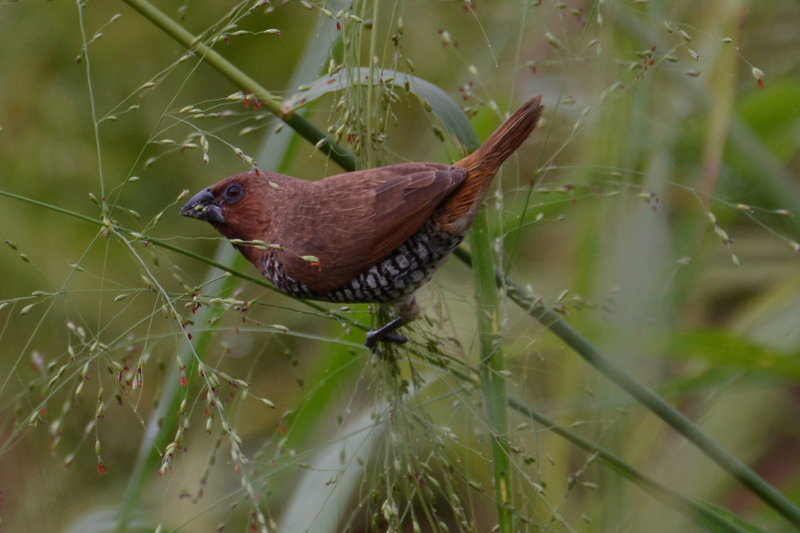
{"points": [[408, 310]]}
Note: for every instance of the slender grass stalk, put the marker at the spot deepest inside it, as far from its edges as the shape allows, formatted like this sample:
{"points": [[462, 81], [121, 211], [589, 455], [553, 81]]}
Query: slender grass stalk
{"points": [[720, 108], [373, 40], [490, 365]]}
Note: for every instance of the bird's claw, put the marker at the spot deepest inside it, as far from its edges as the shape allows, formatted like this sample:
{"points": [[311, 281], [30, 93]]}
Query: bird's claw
{"points": [[373, 337]]}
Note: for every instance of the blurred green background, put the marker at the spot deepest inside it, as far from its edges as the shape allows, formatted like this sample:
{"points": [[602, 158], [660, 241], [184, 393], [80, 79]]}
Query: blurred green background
{"points": [[647, 135]]}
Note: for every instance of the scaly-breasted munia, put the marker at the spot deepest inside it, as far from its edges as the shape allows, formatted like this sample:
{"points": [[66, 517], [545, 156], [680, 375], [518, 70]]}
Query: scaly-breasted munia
{"points": [[375, 235]]}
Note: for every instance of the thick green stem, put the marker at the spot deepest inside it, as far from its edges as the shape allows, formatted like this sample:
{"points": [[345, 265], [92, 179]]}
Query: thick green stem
{"points": [[490, 366]]}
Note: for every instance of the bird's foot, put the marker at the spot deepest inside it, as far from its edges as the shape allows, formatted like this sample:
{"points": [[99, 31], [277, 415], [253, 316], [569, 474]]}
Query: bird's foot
{"points": [[385, 334], [394, 338]]}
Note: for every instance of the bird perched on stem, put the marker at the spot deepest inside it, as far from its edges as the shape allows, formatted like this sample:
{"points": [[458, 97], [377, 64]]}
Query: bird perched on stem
{"points": [[374, 235]]}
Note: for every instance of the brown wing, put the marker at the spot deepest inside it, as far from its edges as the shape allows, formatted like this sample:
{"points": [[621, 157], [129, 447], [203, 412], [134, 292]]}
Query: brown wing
{"points": [[352, 221]]}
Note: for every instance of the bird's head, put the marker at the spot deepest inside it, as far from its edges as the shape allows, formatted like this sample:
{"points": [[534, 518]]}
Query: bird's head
{"points": [[238, 206]]}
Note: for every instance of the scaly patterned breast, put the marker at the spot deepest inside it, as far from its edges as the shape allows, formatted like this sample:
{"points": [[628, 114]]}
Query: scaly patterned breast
{"points": [[405, 270]]}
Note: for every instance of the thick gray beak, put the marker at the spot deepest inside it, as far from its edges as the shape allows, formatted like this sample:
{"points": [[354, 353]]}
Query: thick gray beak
{"points": [[203, 206]]}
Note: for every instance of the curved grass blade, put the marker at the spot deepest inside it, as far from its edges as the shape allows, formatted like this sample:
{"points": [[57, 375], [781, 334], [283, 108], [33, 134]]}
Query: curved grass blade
{"points": [[731, 517], [432, 98]]}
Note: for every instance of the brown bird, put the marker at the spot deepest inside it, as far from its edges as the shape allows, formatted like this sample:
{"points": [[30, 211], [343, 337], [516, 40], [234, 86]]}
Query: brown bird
{"points": [[374, 235]]}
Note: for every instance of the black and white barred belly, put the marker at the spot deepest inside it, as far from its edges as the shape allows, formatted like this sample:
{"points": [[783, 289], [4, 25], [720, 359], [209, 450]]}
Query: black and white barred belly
{"points": [[401, 273]]}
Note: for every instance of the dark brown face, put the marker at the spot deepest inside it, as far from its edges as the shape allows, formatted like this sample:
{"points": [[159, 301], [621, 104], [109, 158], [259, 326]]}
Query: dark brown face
{"points": [[238, 206]]}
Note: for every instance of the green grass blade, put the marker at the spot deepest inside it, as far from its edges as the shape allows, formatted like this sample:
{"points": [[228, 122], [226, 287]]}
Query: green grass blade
{"points": [[491, 365], [723, 350], [441, 104]]}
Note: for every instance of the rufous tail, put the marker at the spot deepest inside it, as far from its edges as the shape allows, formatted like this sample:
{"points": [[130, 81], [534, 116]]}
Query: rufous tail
{"points": [[462, 208]]}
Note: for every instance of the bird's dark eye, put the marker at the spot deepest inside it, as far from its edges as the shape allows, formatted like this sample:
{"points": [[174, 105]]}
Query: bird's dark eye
{"points": [[233, 193]]}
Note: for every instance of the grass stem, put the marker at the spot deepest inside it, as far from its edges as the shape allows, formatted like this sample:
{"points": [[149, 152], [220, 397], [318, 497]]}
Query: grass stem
{"points": [[491, 365]]}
